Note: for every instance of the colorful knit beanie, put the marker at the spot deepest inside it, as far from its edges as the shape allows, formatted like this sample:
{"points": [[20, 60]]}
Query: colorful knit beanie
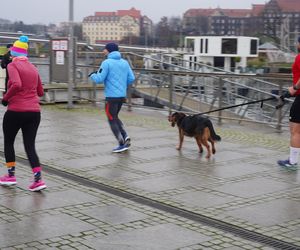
{"points": [[20, 47]]}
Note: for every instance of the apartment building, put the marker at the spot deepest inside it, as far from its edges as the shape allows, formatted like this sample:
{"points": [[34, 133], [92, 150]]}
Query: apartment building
{"points": [[113, 26], [279, 19]]}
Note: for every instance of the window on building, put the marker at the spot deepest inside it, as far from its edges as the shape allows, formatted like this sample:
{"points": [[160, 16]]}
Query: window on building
{"points": [[190, 44], [229, 46], [253, 47], [206, 46], [201, 45]]}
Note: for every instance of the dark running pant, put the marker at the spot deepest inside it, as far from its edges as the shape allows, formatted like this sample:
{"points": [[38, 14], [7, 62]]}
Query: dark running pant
{"points": [[112, 109], [28, 122], [294, 111]]}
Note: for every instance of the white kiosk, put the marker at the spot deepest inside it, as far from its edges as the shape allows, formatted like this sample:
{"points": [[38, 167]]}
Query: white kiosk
{"points": [[225, 52]]}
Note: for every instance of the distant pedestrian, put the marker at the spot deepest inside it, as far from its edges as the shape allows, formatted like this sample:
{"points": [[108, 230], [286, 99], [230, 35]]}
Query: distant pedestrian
{"points": [[4, 62], [292, 161], [23, 112], [116, 75]]}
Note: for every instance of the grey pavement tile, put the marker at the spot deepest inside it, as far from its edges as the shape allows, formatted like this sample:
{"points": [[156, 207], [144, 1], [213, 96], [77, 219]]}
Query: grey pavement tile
{"points": [[269, 213], [292, 177], [253, 187], [47, 145], [114, 214], [201, 199], [155, 142], [230, 155], [152, 154], [255, 150], [159, 166], [168, 182], [44, 200], [161, 237], [86, 140], [295, 233], [113, 173], [88, 161], [52, 154], [235, 169], [87, 150], [40, 227], [151, 134]]}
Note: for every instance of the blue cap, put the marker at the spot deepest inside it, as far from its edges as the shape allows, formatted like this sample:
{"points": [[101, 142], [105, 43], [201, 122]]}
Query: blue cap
{"points": [[112, 47]]}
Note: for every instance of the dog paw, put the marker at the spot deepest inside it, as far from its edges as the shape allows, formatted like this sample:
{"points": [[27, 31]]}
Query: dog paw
{"points": [[200, 151], [178, 147]]}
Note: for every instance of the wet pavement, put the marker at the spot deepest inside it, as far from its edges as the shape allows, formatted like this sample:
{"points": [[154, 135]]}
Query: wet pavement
{"points": [[240, 186]]}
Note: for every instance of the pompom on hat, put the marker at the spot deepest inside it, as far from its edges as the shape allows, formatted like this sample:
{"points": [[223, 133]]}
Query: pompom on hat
{"points": [[20, 47]]}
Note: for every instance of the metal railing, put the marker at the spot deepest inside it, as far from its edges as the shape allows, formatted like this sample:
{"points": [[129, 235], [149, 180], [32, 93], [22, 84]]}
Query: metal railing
{"points": [[179, 87], [191, 90]]}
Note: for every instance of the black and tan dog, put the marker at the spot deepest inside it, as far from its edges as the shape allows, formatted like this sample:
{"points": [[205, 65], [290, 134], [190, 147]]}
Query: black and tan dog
{"points": [[197, 126]]}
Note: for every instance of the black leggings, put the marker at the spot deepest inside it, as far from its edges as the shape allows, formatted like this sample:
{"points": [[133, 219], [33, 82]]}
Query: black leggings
{"points": [[28, 122], [112, 108]]}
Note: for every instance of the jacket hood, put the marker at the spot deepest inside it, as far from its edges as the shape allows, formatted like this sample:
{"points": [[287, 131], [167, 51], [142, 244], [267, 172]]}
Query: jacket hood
{"points": [[114, 55]]}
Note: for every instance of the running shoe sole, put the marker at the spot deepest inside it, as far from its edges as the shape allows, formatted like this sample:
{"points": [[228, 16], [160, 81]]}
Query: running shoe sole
{"points": [[4, 183], [39, 188], [120, 150]]}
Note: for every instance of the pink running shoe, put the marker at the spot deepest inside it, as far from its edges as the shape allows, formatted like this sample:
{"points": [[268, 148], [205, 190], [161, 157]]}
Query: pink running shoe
{"points": [[7, 180], [37, 186]]}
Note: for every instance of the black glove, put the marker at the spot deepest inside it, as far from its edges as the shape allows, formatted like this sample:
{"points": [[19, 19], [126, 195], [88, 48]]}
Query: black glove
{"points": [[4, 103], [286, 94], [92, 73]]}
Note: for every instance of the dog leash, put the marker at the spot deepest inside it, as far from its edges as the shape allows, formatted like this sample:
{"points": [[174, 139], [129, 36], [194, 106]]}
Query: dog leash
{"points": [[281, 99]]}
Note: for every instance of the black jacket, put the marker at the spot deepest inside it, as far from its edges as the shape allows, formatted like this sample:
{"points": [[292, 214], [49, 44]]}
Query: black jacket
{"points": [[4, 62]]}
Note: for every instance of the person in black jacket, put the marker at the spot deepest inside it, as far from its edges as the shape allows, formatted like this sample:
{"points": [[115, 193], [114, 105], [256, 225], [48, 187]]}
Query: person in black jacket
{"points": [[4, 62]]}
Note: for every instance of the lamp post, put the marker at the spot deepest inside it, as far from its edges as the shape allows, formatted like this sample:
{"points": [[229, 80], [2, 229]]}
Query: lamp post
{"points": [[71, 54]]}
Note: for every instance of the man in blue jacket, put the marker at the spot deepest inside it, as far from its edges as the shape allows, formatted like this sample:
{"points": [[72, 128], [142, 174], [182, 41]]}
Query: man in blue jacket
{"points": [[116, 75]]}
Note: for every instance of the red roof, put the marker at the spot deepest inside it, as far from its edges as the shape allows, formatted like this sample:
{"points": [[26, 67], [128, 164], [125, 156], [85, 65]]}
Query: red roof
{"points": [[237, 12], [199, 12], [289, 5], [226, 12], [257, 9], [132, 12], [105, 13]]}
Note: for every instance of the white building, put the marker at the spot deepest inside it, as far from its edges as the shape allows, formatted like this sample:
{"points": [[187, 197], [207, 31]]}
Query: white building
{"points": [[224, 52]]}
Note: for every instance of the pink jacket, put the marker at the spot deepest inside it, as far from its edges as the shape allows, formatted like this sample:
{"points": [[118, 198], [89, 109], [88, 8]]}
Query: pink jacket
{"points": [[24, 86]]}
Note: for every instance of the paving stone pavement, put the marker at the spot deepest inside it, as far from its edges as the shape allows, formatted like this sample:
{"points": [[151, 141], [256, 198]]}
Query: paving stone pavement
{"points": [[241, 185]]}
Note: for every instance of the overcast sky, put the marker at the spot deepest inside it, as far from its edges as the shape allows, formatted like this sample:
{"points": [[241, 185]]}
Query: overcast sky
{"points": [[55, 11]]}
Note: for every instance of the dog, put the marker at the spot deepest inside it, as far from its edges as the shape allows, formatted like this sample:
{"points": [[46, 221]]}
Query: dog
{"points": [[197, 126]]}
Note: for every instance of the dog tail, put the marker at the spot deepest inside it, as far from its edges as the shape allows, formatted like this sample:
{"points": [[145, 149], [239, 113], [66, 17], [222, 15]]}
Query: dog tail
{"points": [[213, 134]]}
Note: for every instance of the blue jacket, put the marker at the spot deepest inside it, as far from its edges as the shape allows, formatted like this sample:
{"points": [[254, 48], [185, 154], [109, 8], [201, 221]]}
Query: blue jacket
{"points": [[116, 75]]}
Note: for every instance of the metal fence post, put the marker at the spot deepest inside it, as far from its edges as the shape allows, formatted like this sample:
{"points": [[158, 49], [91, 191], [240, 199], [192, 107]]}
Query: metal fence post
{"points": [[129, 99], [71, 54], [220, 94], [279, 114], [170, 93]]}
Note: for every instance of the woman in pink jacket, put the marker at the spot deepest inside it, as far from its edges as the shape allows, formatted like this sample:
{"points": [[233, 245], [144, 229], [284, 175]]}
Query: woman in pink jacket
{"points": [[23, 112]]}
